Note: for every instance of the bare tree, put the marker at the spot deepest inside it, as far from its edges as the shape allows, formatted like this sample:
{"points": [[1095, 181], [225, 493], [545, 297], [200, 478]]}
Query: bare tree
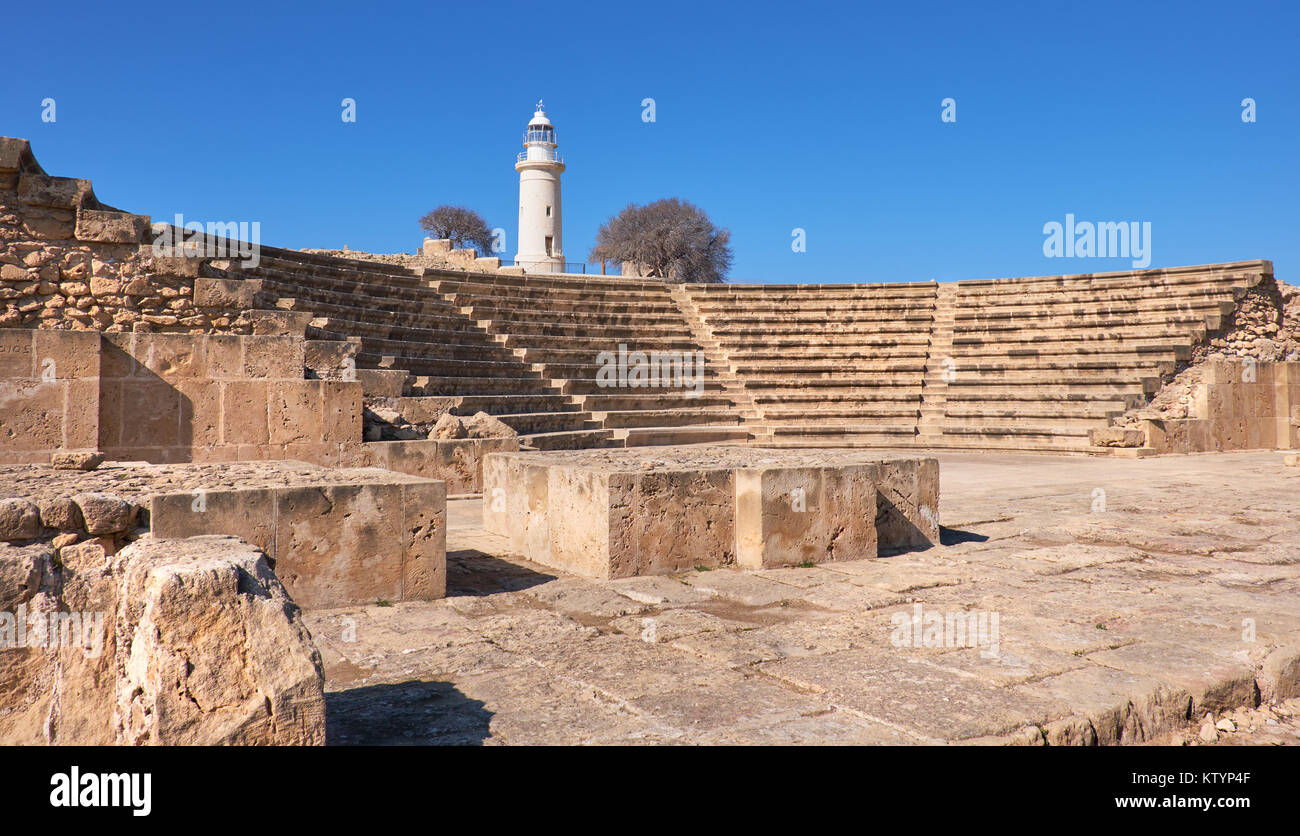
{"points": [[671, 239], [464, 227]]}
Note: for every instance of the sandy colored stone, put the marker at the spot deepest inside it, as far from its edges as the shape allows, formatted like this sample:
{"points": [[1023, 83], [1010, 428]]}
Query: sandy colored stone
{"points": [[104, 513], [76, 460], [483, 425], [20, 519], [215, 651], [448, 426]]}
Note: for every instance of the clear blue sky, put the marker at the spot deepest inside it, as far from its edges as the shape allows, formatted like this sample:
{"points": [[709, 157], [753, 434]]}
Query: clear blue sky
{"points": [[770, 116]]}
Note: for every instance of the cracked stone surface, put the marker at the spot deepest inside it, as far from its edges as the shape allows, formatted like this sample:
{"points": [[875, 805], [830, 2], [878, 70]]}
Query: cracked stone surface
{"points": [[1134, 600]]}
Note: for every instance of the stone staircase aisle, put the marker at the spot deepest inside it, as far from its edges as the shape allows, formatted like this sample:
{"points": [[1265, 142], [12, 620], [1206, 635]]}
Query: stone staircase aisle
{"points": [[715, 357], [940, 367]]}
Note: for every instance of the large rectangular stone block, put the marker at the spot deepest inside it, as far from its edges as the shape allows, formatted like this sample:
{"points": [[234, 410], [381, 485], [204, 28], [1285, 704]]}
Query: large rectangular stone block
{"points": [[357, 537], [618, 513], [459, 462]]}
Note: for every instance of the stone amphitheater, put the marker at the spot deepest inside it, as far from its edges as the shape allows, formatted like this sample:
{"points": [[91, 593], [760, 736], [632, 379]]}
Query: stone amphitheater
{"points": [[331, 497]]}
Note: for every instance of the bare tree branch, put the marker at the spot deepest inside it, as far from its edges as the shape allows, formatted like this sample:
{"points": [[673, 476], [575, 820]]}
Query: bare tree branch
{"points": [[671, 239]]}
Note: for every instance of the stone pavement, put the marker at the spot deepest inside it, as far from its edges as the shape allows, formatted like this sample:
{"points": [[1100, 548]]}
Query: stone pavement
{"points": [[1132, 598]]}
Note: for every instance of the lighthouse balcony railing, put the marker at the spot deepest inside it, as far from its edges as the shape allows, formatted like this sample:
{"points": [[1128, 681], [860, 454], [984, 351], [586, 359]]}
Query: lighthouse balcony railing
{"points": [[540, 154]]}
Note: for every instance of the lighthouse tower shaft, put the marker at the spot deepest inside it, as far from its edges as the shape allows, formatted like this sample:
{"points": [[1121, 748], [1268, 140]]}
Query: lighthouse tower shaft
{"points": [[541, 235]]}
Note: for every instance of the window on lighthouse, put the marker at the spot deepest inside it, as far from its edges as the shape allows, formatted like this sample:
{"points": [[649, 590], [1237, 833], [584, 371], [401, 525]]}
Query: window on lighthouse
{"points": [[548, 211], [548, 245]]}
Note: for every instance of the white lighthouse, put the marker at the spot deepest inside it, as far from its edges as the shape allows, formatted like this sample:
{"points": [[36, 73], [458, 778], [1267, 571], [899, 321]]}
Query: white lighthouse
{"points": [[539, 167]]}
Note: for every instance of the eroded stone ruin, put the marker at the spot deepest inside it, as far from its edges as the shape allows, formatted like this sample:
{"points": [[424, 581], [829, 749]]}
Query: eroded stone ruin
{"points": [[287, 433]]}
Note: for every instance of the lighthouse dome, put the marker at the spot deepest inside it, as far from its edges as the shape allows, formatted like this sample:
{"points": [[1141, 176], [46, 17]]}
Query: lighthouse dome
{"points": [[539, 118]]}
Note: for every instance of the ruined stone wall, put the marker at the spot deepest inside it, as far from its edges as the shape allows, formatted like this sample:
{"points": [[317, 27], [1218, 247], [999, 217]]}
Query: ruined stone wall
{"points": [[1232, 405], [1265, 327], [170, 398], [69, 262]]}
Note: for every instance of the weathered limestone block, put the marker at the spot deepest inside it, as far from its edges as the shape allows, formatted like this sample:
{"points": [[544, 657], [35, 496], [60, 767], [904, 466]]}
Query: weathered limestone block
{"points": [[187, 642], [456, 461], [110, 227], [280, 323], [76, 460], [371, 535], [233, 294], [1117, 437], [483, 425], [61, 513], [104, 513], [618, 513], [20, 519], [1279, 676], [787, 516], [59, 192], [213, 650], [448, 426], [27, 679], [332, 359]]}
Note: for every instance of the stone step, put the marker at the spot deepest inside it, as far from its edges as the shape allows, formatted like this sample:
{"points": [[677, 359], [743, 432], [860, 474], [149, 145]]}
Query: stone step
{"points": [[1102, 409], [595, 306], [737, 345], [545, 354], [820, 367], [1131, 397], [570, 440], [442, 367], [667, 436], [508, 319], [1105, 326], [831, 411], [834, 430], [1120, 336], [592, 386], [1048, 304], [834, 382], [703, 294], [450, 281], [442, 385], [530, 423], [846, 353], [451, 331], [794, 321], [923, 442], [358, 295], [486, 350], [620, 402], [723, 331], [1140, 288], [1169, 277], [814, 306], [673, 371], [597, 344], [382, 383], [680, 417], [1005, 429], [962, 390], [1118, 351], [406, 320], [613, 334], [1126, 364], [1158, 311], [1043, 376], [288, 260], [337, 282], [514, 403], [894, 394]]}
